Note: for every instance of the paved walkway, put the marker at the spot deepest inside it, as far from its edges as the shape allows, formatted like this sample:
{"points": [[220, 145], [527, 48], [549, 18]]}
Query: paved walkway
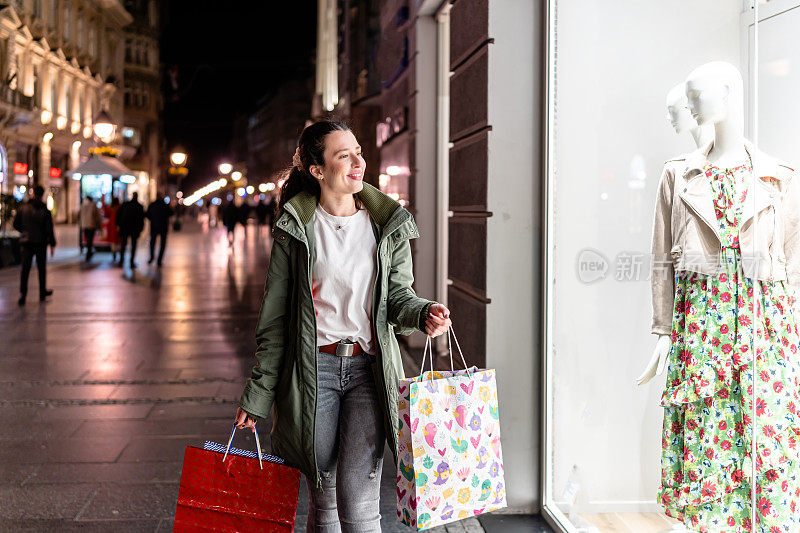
{"points": [[103, 386]]}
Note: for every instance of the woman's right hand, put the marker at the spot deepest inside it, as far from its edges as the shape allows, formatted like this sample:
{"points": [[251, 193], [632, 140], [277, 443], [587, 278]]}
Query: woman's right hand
{"points": [[243, 420]]}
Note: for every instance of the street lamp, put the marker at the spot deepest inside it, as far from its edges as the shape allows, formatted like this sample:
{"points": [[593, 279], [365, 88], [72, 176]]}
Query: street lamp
{"points": [[103, 127], [178, 157], [225, 168]]}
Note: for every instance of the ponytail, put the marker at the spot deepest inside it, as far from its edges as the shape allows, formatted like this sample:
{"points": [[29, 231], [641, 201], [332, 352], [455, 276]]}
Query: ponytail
{"points": [[297, 181]]}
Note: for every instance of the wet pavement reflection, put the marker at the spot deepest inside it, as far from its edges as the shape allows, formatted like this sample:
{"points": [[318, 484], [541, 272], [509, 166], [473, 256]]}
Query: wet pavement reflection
{"points": [[103, 386]]}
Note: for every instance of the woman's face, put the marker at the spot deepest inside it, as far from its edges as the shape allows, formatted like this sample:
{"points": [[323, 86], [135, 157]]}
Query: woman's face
{"points": [[343, 172]]}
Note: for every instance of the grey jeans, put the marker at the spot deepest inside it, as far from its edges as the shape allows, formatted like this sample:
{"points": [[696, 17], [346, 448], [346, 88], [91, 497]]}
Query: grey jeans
{"points": [[350, 440]]}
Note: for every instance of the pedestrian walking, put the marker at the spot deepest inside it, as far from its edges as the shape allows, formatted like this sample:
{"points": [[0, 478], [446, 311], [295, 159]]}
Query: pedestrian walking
{"points": [[158, 213], [230, 217], [35, 223], [130, 221], [327, 363], [112, 231], [261, 214], [90, 221], [271, 208]]}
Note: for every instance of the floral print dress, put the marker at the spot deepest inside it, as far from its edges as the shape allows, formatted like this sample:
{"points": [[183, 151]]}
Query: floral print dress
{"points": [[706, 441]]}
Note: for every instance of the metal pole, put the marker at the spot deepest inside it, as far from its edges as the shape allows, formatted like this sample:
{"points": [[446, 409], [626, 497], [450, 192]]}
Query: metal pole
{"points": [[756, 291]]}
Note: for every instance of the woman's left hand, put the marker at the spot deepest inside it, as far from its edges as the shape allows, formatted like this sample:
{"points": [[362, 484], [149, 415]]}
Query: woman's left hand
{"points": [[438, 320]]}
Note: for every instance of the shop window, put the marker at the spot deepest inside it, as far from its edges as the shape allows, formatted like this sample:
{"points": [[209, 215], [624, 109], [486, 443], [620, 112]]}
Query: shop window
{"points": [[625, 286]]}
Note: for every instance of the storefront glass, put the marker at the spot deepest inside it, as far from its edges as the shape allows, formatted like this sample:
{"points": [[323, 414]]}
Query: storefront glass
{"points": [[97, 187], [615, 70]]}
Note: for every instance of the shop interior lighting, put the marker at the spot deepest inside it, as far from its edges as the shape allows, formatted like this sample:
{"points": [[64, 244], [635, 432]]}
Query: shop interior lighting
{"points": [[127, 178]]}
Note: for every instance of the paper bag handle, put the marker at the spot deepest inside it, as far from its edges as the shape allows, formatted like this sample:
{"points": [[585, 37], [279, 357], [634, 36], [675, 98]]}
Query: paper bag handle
{"points": [[428, 346], [258, 445]]}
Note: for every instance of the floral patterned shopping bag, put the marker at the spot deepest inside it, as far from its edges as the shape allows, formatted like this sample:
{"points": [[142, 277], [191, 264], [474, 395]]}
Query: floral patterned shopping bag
{"points": [[450, 463]]}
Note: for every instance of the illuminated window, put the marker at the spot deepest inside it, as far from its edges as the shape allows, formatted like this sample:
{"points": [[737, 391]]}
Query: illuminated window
{"points": [[53, 17]]}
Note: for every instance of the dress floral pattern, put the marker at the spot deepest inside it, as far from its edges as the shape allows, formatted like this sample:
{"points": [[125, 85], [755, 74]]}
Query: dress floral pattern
{"points": [[706, 441]]}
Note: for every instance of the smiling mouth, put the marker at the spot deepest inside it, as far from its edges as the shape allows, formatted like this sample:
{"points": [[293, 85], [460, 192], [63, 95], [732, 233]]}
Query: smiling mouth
{"points": [[357, 176]]}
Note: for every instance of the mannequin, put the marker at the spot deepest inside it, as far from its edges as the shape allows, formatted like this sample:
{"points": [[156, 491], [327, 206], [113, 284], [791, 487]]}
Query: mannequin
{"points": [[723, 295], [681, 118], [716, 102]]}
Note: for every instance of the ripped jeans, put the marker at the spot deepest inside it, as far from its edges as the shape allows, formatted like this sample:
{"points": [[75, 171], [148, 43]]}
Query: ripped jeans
{"points": [[350, 441]]}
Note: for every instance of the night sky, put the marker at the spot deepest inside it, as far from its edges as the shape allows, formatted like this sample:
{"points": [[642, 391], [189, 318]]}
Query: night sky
{"points": [[227, 56]]}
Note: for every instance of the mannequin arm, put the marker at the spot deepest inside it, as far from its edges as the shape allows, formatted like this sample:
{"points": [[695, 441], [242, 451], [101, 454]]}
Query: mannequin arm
{"points": [[658, 360]]}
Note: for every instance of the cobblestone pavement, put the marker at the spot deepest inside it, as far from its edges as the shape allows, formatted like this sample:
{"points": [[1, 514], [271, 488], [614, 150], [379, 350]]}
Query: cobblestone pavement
{"points": [[103, 386]]}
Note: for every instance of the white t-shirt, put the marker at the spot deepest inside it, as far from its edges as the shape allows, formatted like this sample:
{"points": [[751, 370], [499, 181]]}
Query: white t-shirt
{"points": [[343, 277]]}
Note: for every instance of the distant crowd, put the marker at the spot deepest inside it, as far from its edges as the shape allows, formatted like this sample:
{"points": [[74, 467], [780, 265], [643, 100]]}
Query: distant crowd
{"points": [[121, 224]]}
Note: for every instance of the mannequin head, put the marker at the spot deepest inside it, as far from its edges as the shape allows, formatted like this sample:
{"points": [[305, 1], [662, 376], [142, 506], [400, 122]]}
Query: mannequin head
{"points": [[714, 94], [678, 112]]}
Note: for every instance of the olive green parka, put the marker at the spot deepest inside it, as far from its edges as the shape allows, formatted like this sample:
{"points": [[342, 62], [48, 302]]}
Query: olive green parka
{"points": [[286, 370]]}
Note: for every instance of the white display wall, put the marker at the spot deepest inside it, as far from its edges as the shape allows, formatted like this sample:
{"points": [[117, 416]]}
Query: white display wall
{"points": [[612, 64]]}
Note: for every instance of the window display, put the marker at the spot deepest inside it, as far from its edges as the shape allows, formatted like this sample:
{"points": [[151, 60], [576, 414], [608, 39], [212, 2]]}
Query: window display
{"points": [[691, 237], [727, 215]]}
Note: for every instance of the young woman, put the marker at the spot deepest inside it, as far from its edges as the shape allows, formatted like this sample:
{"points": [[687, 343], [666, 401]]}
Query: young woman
{"points": [[338, 289]]}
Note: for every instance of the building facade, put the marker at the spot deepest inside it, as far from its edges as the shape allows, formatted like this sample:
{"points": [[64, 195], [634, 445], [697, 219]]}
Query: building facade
{"points": [[142, 132], [61, 63], [454, 136], [273, 129]]}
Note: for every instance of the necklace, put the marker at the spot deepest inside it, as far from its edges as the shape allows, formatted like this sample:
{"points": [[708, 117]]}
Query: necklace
{"points": [[332, 220]]}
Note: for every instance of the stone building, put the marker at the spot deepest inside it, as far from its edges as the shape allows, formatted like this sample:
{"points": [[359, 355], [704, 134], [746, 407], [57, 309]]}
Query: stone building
{"points": [[61, 63], [142, 132], [452, 126]]}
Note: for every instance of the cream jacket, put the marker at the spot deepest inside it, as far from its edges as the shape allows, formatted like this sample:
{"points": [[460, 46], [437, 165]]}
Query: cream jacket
{"points": [[686, 232]]}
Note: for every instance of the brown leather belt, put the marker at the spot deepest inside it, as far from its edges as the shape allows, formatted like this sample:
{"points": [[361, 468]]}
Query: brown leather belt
{"points": [[342, 349]]}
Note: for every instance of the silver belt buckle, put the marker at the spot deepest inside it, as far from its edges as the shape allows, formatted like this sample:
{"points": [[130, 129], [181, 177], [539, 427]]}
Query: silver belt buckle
{"points": [[345, 348]]}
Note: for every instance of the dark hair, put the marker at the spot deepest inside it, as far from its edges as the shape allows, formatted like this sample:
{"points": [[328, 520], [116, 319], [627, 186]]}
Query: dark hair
{"points": [[115, 201], [312, 152], [38, 192]]}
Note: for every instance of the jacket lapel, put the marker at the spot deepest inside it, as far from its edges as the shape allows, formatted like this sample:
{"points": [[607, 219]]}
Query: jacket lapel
{"points": [[697, 192], [764, 168]]}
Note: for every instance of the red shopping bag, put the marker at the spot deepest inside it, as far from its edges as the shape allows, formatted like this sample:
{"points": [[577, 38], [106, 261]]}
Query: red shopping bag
{"points": [[237, 494]]}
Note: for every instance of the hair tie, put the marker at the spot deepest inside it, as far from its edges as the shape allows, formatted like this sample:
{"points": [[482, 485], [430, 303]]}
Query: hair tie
{"points": [[296, 159]]}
